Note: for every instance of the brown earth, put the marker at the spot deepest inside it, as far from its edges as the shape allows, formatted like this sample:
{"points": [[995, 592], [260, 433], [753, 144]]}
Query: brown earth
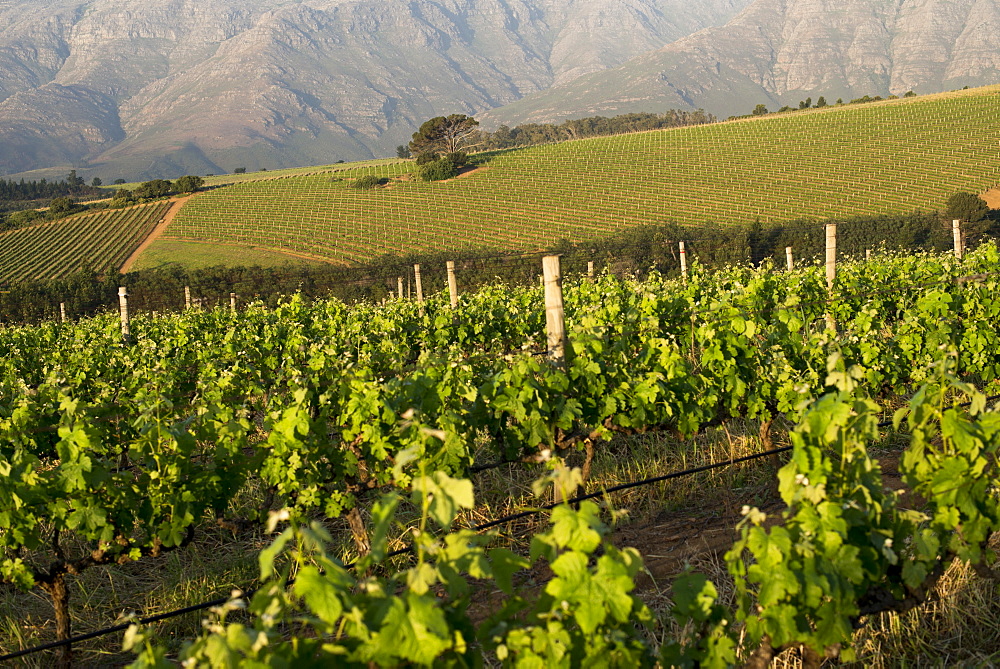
{"points": [[992, 198], [673, 540]]}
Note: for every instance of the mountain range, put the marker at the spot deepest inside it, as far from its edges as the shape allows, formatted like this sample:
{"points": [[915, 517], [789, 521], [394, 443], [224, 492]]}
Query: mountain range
{"points": [[779, 52], [158, 88]]}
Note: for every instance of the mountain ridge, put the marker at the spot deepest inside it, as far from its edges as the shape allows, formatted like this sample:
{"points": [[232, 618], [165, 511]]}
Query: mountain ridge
{"points": [[151, 88], [778, 52]]}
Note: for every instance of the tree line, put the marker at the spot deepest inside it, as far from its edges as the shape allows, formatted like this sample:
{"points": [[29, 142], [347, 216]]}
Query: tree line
{"points": [[64, 205], [20, 194], [532, 134], [636, 251]]}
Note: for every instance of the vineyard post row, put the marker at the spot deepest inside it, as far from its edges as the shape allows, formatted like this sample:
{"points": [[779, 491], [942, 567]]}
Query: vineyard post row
{"points": [[123, 311], [831, 271]]}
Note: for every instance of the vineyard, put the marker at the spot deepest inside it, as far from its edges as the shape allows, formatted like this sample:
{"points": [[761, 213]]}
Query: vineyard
{"points": [[808, 165], [118, 452], [101, 241]]}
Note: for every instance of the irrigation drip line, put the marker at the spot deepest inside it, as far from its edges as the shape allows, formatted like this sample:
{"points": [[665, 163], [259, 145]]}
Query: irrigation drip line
{"points": [[395, 553], [477, 528]]}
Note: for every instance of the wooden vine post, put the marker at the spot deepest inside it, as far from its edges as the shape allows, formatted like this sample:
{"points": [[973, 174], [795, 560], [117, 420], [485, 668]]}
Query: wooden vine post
{"points": [[232, 302], [555, 324], [123, 312], [831, 269], [452, 284], [555, 328], [187, 297], [420, 288], [831, 255], [868, 254], [684, 261], [399, 287], [956, 233], [590, 269], [62, 311], [789, 259]]}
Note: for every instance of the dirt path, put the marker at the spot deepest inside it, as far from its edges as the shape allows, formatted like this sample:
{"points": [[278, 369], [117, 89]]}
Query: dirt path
{"points": [[157, 231]]}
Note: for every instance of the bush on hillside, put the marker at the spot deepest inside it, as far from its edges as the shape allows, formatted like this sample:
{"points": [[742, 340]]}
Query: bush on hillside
{"points": [[368, 181], [154, 188], [188, 184], [439, 170], [458, 158], [60, 206], [425, 158], [20, 219]]}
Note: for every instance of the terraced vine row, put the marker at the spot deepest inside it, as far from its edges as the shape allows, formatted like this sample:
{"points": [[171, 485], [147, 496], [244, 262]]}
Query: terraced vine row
{"points": [[892, 157], [100, 240]]}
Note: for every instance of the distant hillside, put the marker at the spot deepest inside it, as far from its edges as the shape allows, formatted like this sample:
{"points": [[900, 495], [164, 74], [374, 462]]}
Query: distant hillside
{"points": [[157, 88], [778, 52], [857, 160]]}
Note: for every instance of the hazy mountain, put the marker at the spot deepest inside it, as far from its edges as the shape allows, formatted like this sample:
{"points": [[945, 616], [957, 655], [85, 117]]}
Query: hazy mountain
{"points": [[778, 52], [143, 88]]}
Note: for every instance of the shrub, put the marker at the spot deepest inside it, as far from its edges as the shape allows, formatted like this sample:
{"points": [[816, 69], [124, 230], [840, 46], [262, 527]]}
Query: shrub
{"points": [[154, 188], [439, 170], [368, 181], [425, 158], [188, 184], [119, 182], [60, 206], [240, 170], [458, 158]]}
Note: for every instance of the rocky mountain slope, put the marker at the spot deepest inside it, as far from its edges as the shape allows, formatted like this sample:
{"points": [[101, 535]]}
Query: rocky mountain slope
{"points": [[778, 52], [143, 88]]}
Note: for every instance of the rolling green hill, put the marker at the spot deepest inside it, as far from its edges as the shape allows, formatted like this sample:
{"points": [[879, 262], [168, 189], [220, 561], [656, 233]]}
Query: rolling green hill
{"points": [[889, 157]]}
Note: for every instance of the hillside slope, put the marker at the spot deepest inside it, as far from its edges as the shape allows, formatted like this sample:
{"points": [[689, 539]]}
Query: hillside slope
{"points": [[857, 160], [159, 88], [779, 52]]}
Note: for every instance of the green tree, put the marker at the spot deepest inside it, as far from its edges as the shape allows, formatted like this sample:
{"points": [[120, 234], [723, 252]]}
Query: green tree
{"points": [[805, 104], [967, 207], [403, 151], [119, 182], [97, 183], [60, 206], [73, 180], [759, 110], [154, 188], [444, 134], [821, 102], [240, 170], [188, 184], [503, 137]]}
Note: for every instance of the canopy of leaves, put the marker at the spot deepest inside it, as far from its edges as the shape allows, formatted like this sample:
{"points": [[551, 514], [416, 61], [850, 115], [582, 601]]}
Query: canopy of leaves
{"points": [[443, 134], [188, 184]]}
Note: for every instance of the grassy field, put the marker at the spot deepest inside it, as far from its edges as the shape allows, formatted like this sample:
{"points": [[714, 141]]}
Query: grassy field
{"points": [[197, 255], [888, 157], [101, 240]]}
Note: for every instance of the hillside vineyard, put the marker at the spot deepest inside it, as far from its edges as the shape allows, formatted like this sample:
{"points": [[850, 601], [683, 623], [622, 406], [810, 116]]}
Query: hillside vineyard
{"points": [[863, 160], [101, 241]]}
